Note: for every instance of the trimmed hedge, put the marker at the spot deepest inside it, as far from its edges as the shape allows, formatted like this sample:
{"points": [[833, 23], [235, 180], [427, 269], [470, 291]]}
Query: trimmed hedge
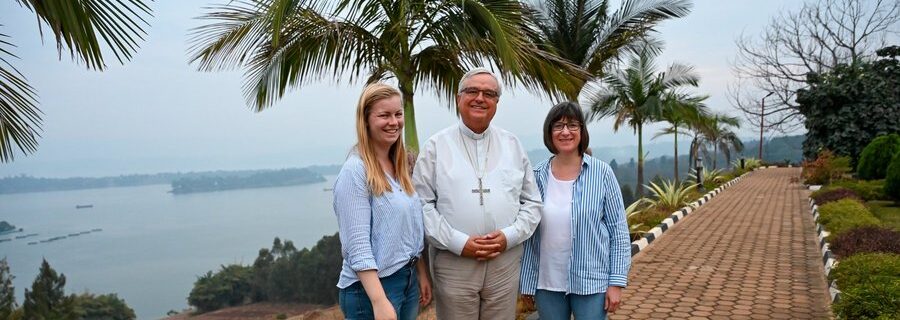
{"points": [[867, 189], [844, 215], [866, 240], [875, 158], [830, 194], [870, 286]]}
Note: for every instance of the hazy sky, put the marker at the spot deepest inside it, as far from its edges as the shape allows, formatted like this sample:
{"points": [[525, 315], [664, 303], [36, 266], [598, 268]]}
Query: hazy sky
{"points": [[156, 113]]}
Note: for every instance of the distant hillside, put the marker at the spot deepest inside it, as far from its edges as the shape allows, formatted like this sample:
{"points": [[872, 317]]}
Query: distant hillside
{"points": [[274, 178], [660, 163], [24, 183]]}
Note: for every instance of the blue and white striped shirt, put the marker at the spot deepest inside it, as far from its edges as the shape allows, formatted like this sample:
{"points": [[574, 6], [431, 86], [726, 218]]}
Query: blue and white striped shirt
{"points": [[601, 252], [377, 233]]}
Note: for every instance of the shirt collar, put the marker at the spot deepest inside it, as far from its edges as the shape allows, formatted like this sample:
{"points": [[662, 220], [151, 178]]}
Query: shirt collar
{"points": [[471, 134]]}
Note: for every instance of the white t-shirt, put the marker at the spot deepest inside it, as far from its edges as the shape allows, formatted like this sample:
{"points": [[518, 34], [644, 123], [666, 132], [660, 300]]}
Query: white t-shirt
{"points": [[556, 235]]}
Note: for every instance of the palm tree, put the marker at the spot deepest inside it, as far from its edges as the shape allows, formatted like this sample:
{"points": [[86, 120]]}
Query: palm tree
{"points": [[283, 44], [720, 136], [586, 34], [77, 27], [634, 96], [681, 110]]}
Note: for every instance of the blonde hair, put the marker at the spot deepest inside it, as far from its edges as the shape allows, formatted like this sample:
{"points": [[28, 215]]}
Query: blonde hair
{"points": [[375, 176]]}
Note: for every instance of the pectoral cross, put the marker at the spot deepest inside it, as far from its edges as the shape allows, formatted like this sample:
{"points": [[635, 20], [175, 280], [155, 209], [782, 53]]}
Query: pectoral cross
{"points": [[481, 191]]}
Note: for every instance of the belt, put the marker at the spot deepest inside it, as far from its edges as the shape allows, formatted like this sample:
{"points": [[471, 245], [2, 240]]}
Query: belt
{"points": [[412, 262]]}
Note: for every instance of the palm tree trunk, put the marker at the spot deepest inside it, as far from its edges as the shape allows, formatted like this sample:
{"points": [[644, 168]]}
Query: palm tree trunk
{"points": [[676, 152], [409, 118], [640, 168], [715, 155]]}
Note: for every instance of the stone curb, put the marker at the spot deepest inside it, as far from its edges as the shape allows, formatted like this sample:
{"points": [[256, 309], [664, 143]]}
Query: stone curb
{"points": [[828, 259], [681, 214]]}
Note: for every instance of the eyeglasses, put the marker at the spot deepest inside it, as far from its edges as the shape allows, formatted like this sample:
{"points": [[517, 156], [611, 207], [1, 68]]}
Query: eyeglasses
{"points": [[572, 126], [473, 93]]}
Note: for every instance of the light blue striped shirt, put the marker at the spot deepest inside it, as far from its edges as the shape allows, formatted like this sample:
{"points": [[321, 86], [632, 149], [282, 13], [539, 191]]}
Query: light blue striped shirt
{"points": [[377, 233], [601, 252]]}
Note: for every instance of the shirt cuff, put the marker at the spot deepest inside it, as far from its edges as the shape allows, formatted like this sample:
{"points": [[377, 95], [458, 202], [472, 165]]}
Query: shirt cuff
{"points": [[512, 237], [364, 264], [457, 242], [618, 280]]}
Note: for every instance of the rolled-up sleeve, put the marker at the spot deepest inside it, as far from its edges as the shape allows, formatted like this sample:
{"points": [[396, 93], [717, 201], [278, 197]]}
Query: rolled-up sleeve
{"points": [[617, 225], [354, 213]]}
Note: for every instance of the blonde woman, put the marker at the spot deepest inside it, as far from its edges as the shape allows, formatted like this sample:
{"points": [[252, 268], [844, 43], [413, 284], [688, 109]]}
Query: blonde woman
{"points": [[380, 217]]}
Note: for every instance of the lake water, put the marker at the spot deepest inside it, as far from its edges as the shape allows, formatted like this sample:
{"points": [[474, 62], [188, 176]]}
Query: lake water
{"points": [[153, 245]]}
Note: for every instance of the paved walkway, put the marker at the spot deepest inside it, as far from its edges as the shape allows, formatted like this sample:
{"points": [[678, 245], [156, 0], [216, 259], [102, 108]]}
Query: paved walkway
{"points": [[750, 253]]}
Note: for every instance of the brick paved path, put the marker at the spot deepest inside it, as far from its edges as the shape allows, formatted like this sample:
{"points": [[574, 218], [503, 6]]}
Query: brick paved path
{"points": [[750, 253]]}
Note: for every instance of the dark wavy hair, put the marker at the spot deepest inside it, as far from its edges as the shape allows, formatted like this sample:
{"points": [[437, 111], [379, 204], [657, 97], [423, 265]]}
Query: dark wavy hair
{"points": [[565, 110]]}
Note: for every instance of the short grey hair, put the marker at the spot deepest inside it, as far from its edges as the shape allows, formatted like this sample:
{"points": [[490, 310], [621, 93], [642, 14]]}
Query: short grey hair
{"points": [[477, 71]]}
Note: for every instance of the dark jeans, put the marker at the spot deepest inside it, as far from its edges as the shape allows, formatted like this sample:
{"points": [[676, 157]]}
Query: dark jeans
{"points": [[552, 305], [402, 289]]}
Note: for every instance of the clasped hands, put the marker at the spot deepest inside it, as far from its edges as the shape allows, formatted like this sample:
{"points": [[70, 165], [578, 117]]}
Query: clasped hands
{"points": [[485, 247]]}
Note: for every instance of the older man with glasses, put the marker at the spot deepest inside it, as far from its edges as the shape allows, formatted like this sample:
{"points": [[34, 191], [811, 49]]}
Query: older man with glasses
{"points": [[480, 203]]}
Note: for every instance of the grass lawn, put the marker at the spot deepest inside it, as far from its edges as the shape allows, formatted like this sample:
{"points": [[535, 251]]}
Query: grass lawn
{"points": [[887, 212]]}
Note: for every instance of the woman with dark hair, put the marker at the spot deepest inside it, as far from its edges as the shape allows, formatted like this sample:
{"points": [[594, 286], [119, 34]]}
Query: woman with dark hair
{"points": [[380, 217], [578, 259]]}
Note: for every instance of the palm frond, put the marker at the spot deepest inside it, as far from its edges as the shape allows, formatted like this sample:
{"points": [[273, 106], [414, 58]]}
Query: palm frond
{"points": [[76, 25], [20, 117]]}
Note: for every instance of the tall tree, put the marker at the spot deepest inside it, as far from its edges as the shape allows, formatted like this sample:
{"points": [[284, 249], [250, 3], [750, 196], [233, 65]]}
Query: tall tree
{"points": [[7, 291], [851, 105], [47, 298], [681, 110], [719, 135], [85, 29], [634, 96], [815, 39], [586, 34], [282, 44]]}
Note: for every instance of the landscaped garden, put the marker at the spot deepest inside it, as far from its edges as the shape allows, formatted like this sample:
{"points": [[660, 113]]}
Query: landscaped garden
{"points": [[667, 196], [861, 212]]}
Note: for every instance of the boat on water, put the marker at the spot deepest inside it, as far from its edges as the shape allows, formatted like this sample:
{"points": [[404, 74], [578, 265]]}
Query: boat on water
{"points": [[32, 243], [83, 206]]}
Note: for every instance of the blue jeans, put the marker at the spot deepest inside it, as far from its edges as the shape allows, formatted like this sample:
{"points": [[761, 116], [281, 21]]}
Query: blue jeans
{"points": [[402, 289], [552, 305]]}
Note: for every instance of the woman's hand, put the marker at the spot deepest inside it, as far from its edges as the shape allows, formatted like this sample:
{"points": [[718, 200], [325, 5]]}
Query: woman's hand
{"points": [[384, 310], [613, 299], [424, 282], [424, 290], [528, 300]]}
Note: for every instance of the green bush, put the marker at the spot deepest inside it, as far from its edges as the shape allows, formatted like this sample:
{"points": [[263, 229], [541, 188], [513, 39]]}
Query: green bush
{"points": [[867, 189], [107, 307], [892, 179], [870, 286], [875, 158], [843, 215], [228, 287]]}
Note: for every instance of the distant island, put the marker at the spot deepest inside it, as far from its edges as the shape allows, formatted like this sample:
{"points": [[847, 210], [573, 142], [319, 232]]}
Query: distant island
{"points": [[24, 183], [6, 227], [274, 178]]}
